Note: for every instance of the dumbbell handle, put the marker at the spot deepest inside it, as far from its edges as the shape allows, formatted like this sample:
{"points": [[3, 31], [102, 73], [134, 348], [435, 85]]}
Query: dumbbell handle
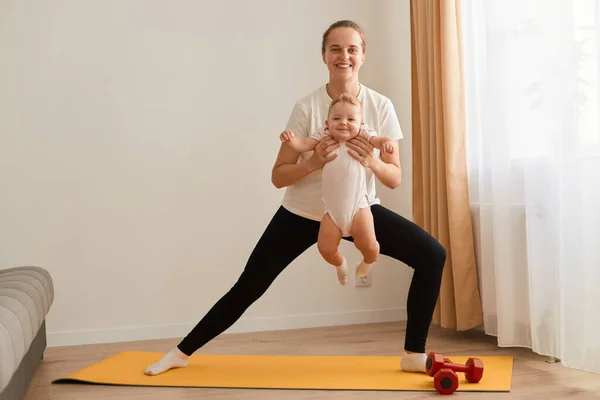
{"points": [[456, 367]]}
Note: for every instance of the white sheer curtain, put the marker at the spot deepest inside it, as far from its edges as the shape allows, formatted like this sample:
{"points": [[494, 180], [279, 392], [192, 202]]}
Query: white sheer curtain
{"points": [[532, 78]]}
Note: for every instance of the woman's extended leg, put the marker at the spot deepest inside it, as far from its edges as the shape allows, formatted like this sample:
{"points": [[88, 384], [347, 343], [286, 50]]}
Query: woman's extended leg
{"points": [[285, 238], [405, 241]]}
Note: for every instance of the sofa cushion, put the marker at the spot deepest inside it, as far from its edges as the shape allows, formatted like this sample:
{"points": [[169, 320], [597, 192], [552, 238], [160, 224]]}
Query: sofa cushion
{"points": [[26, 294]]}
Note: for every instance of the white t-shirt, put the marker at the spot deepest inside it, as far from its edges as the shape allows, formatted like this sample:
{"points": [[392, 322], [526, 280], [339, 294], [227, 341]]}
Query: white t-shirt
{"points": [[304, 198]]}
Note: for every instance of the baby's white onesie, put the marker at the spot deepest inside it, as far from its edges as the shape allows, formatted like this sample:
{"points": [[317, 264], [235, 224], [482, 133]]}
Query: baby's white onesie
{"points": [[344, 184]]}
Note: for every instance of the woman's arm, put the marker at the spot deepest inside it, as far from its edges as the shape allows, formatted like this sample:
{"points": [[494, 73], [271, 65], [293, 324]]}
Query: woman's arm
{"points": [[387, 168], [287, 170]]}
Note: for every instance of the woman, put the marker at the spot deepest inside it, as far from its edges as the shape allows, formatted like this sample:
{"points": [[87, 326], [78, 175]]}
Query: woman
{"points": [[295, 226]]}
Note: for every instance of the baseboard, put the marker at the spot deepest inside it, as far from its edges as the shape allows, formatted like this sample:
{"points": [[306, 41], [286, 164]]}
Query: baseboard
{"points": [[70, 338]]}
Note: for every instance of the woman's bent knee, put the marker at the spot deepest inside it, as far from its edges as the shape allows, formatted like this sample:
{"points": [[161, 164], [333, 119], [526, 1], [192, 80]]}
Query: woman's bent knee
{"points": [[438, 255]]}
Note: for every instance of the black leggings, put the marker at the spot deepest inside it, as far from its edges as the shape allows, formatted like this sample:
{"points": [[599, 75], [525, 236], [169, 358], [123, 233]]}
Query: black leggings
{"points": [[289, 235]]}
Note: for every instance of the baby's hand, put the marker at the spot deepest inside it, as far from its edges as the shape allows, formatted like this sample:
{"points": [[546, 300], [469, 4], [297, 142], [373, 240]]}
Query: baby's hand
{"points": [[387, 145], [286, 136]]}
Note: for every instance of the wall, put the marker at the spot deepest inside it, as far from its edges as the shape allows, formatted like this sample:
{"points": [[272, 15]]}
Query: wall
{"points": [[136, 145]]}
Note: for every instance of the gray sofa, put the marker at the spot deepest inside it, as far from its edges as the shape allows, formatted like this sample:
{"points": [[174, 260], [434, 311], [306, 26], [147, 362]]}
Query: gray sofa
{"points": [[26, 294]]}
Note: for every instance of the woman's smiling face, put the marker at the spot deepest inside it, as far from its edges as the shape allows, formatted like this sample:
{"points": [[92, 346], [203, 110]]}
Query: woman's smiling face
{"points": [[343, 53]]}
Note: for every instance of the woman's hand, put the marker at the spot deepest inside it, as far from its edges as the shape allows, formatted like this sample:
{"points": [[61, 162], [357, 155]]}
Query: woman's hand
{"points": [[362, 151], [322, 153], [287, 170], [386, 169]]}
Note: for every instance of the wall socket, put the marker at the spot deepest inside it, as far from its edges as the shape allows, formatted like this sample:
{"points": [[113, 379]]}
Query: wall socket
{"points": [[364, 281]]}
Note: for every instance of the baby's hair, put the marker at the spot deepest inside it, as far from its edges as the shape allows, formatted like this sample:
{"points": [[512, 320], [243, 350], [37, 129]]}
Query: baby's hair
{"points": [[344, 24], [345, 98]]}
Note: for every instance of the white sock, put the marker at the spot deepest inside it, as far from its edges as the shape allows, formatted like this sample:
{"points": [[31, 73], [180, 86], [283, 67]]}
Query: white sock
{"points": [[415, 362], [173, 359], [342, 272], [363, 269]]}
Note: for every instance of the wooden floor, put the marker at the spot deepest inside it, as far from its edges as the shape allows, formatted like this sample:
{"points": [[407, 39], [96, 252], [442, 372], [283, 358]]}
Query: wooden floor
{"points": [[533, 377]]}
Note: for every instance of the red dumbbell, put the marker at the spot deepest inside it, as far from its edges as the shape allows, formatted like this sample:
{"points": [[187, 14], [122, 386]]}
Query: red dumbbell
{"points": [[473, 369], [445, 381]]}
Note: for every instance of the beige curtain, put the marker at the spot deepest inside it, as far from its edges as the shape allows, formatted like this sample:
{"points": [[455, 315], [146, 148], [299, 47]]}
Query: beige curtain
{"points": [[440, 191]]}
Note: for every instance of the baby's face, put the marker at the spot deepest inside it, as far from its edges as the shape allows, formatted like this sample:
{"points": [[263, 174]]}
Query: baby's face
{"points": [[344, 121]]}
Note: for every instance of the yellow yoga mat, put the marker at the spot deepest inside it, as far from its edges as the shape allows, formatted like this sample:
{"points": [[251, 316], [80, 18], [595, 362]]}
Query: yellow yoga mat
{"points": [[285, 372]]}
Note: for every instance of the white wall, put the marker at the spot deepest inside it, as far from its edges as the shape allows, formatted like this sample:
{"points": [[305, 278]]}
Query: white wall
{"points": [[136, 145]]}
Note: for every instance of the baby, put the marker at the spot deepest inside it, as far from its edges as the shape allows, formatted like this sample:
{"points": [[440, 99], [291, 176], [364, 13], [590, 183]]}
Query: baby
{"points": [[347, 210]]}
